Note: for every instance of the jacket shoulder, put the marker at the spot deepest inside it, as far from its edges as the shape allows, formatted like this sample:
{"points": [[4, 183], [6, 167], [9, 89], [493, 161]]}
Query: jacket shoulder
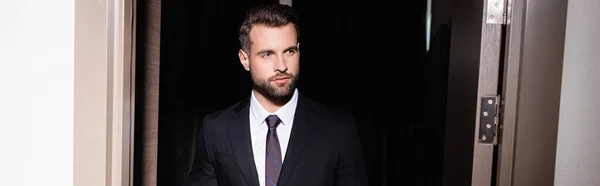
{"points": [[333, 114], [225, 113]]}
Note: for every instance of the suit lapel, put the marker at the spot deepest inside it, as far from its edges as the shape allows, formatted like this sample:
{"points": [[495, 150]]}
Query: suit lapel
{"points": [[304, 123], [241, 143]]}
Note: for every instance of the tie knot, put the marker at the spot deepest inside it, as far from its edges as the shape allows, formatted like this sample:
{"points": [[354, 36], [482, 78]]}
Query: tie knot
{"points": [[273, 121]]}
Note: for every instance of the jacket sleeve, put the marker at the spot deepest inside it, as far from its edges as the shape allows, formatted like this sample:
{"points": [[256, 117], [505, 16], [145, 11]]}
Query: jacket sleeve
{"points": [[202, 172]]}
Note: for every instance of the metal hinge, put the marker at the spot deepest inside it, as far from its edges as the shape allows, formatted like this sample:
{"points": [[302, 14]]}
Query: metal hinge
{"points": [[496, 12], [489, 117]]}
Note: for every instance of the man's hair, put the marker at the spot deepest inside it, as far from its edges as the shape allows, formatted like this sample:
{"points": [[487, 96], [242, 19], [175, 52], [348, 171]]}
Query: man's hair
{"points": [[271, 15]]}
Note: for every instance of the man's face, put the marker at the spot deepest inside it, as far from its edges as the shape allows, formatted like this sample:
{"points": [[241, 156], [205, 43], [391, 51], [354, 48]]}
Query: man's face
{"points": [[273, 61]]}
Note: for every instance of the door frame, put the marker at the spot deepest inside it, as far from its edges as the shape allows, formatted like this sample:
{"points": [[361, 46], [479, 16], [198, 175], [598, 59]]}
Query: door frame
{"points": [[489, 78], [529, 89], [103, 92], [472, 73], [531, 92], [509, 97], [475, 71]]}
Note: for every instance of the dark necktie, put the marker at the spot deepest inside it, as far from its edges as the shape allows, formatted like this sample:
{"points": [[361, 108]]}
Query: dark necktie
{"points": [[273, 157]]}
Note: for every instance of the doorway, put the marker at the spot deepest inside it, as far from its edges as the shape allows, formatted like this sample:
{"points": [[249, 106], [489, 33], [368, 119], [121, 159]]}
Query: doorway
{"points": [[354, 58]]}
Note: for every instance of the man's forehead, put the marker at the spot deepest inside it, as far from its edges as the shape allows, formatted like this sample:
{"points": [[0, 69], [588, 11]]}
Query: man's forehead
{"points": [[261, 28], [273, 37]]}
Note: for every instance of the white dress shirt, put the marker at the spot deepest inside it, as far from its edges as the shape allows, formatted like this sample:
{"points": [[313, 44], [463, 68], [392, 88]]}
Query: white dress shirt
{"points": [[259, 128]]}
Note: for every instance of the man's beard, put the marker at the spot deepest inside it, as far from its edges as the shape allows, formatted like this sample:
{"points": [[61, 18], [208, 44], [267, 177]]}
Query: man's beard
{"points": [[279, 94]]}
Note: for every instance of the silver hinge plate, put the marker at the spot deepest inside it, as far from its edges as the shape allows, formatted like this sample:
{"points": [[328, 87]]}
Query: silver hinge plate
{"points": [[496, 12], [488, 119]]}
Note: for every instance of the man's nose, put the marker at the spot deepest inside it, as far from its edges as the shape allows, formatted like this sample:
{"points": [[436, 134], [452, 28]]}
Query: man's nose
{"points": [[281, 64]]}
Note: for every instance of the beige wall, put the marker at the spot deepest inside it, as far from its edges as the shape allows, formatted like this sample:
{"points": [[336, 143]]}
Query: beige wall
{"points": [[578, 152], [103, 99], [91, 106]]}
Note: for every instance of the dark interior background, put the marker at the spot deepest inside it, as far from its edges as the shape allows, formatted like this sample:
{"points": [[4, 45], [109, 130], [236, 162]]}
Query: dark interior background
{"points": [[365, 57]]}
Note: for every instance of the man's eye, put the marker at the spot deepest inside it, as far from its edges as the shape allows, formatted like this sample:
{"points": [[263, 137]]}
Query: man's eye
{"points": [[266, 55]]}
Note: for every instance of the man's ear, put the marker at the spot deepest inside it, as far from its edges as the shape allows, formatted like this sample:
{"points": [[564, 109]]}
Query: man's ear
{"points": [[244, 60], [298, 47]]}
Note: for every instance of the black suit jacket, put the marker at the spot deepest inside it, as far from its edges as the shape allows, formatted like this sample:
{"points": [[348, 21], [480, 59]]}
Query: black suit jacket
{"points": [[324, 149]]}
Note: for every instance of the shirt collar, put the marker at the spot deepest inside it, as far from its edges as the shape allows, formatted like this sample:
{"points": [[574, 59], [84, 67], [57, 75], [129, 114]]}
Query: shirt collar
{"points": [[285, 113]]}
